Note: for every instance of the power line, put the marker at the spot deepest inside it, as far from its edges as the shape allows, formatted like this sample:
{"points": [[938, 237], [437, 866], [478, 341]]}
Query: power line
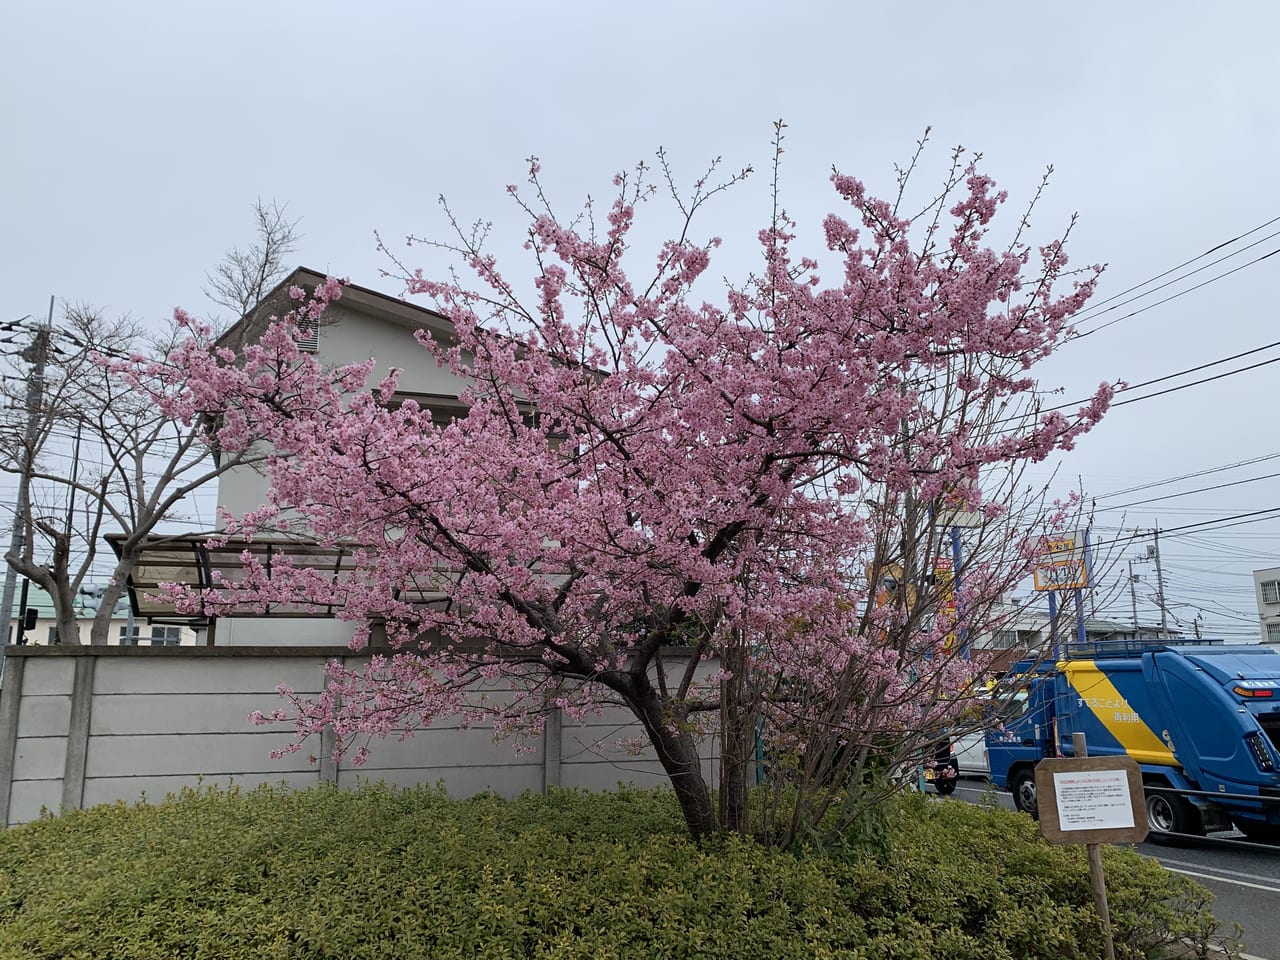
{"points": [[1239, 519], [1187, 493], [1185, 263], [1221, 520], [1180, 293], [1189, 476], [1173, 376], [1196, 383]]}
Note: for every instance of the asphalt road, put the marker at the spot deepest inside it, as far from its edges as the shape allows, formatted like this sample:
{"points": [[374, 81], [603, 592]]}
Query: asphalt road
{"points": [[1244, 879]]}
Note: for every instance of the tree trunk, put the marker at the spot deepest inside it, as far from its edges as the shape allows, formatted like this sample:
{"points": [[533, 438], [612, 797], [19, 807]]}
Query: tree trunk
{"points": [[68, 629], [54, 583], [64, 606], [737, 741], [678, 755], [100, 631]]}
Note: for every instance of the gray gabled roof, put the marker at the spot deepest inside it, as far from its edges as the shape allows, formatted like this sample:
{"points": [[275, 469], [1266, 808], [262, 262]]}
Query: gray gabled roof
{"points": [[380, 305]]}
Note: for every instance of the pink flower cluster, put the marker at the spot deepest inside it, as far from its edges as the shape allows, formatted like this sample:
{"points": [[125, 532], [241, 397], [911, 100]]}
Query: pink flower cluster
{"points": [[646, 482]]}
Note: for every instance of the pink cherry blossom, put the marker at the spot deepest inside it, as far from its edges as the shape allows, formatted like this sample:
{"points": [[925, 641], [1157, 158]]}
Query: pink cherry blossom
{"points": [[685, 507]]}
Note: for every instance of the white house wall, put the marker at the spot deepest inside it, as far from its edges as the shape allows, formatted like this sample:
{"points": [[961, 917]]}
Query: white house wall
{"points": [[351, 336]]}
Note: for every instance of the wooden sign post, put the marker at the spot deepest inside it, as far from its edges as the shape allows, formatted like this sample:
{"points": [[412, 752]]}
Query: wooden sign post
{"points": [[1092, 800]]}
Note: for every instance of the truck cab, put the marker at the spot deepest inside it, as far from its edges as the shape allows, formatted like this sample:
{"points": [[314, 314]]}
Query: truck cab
{"points": [[1023, 705]]}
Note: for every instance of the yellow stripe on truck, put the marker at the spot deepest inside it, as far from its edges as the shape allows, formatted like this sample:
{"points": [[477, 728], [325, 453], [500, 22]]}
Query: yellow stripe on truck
{"points": [[1113, 711]]}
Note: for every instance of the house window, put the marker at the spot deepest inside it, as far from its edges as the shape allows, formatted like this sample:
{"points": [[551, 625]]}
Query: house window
{"points": [[166, 636], [1273, 633], [53, 636], [130, 636], [1271, 591]]}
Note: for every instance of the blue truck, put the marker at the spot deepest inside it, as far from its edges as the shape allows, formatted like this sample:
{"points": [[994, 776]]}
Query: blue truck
{"points": [[1201, 719]]}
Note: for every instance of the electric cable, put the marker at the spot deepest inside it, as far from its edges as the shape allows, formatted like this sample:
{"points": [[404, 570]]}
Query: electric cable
{"points": [[1188, 476], [1180, 293], [1187, 493], [1172, 376]]}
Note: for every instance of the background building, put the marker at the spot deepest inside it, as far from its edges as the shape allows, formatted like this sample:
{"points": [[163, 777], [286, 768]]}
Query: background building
{"points": [[125, 631], [1266, 583]]}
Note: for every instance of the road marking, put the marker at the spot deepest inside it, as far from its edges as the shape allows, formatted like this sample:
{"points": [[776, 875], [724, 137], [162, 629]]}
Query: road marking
{"points": [[1202, 866], [1211, 876]]}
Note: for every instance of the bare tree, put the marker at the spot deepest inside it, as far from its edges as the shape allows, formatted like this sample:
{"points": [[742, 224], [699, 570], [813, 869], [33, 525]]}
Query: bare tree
{"points": [[102, 458], [244, 276], [96, 454]]}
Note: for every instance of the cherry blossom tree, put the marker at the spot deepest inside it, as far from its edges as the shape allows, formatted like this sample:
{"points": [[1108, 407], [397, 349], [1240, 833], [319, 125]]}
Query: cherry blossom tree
{"points": [[727, 514]]}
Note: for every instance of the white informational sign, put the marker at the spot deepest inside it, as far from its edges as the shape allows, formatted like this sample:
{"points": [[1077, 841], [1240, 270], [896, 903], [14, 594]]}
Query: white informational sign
{"points": [[1093, 800]]}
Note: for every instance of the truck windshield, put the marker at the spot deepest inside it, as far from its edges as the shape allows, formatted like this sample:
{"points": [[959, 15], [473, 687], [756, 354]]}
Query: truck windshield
{"points": [[1011, 702]]}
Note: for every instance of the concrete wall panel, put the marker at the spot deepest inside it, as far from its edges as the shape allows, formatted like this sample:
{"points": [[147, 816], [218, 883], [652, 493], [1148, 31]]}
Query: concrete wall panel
{"points": [[46, 716], [149, 713], [29, 796], [177, 675], [192, 754], [48, 675], [441, 748], [39, 758]]}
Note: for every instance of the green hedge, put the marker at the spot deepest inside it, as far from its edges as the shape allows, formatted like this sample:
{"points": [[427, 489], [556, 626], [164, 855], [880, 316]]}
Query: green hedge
{"points": [[381, 873]]}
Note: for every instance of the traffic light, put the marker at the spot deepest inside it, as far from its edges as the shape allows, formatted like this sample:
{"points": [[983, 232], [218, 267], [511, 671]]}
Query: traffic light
{"points": [[29, 616]]}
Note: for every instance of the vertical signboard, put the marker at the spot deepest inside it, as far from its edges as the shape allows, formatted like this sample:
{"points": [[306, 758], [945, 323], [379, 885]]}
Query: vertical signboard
{"points": [[944, 590]]}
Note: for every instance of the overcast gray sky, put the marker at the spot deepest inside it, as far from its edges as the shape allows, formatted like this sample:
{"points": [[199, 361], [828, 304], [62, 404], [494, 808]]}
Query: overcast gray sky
{"points": [[138, 135]]}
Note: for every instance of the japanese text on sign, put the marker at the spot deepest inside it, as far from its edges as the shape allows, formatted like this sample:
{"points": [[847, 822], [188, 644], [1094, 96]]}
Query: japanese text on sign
{"points": [[1093, 800], [1061, 575]]}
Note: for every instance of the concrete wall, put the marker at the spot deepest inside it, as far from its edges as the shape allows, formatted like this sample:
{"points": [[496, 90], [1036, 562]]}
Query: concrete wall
{"points": [[86, 725]]}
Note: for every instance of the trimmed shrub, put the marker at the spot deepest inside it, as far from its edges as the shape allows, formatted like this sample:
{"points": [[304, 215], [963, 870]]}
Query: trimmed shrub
{"points": [[382, 873]]}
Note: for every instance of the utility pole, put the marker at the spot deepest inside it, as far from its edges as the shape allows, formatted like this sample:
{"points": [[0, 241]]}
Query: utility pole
{"points": [[1164, 614], [1133, 599], [37, 355]]}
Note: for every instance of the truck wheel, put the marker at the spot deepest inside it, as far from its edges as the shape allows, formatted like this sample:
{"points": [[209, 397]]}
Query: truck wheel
{"points": [[1024, 793], [946, 787], [1259, 832], [1167, 814]]}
